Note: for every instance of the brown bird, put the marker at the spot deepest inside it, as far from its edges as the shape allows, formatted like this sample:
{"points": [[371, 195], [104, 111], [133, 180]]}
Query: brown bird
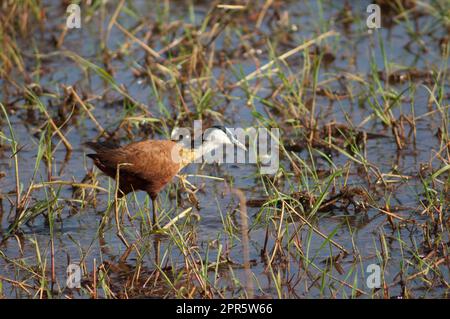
{"points": [[149, 165]]}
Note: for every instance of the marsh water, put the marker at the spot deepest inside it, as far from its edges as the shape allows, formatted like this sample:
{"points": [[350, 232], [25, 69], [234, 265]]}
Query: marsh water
{"points": [[353, 54]]}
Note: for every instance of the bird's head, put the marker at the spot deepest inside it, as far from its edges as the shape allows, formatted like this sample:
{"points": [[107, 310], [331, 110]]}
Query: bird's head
{"points": [[222, 136]]}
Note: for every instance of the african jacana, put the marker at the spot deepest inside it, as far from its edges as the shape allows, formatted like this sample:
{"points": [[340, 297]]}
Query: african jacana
{"points": [[149, 165]]}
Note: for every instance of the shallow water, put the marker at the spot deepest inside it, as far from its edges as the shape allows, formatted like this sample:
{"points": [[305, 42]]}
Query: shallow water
{"points": [[76, 236]]}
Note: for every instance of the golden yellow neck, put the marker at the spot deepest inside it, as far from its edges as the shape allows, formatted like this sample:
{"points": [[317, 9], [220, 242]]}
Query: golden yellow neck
{"points": [[187, 156]]}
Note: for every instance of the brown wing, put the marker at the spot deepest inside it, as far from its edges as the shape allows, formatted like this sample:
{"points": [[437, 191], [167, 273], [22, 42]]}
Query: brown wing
{"points": [[146, 165]]}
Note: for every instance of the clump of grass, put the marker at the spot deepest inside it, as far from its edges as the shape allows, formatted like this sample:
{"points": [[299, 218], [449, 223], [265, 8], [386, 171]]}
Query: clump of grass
{"points": [[364, 151]]}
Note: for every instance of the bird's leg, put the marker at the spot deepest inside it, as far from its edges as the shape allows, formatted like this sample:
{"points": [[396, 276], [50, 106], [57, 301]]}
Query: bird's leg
{"points": [[155, 213], [155, 217], [157, 247]]}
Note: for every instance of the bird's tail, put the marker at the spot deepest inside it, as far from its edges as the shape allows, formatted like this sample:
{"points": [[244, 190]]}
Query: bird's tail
{"points": [[100, 148]]}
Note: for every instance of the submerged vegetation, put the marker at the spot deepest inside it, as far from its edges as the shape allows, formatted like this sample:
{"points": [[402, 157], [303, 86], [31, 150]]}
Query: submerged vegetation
{"points": [[364, 174]]}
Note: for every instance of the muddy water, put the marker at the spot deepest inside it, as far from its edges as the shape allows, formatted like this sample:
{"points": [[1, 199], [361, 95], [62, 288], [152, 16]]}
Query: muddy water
{"points": [[76, 235]]}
